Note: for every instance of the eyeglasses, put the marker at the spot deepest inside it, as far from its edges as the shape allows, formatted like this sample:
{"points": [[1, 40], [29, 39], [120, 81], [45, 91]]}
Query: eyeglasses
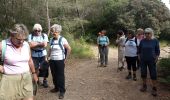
{"points": [[37, 31], [20, 39]]}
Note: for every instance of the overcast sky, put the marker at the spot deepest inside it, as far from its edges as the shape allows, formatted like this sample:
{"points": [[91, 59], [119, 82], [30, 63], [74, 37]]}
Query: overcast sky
{"points": [[167, 3]]}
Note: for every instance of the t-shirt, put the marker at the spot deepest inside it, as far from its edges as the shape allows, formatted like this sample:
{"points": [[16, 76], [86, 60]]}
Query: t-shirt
{"points": [[38, 52]]}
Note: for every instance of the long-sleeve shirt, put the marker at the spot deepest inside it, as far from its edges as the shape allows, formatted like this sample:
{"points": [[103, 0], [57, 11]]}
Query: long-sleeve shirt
{"points": [[149, 49]]}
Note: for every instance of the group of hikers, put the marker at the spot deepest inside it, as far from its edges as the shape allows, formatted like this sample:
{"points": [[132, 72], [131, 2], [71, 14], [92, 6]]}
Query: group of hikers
{"points": [[25, 58], [139, 49]]}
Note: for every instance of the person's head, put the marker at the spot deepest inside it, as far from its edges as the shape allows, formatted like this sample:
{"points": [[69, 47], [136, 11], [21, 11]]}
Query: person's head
{"points": [[37, 28], [120, 33], [18, 34], [103, 32], [56, 30], [140, 33], [149, 34], [130, 34]]}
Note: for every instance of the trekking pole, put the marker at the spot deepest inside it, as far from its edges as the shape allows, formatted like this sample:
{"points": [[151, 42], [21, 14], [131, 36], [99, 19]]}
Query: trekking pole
{"points": [[98, 60]]}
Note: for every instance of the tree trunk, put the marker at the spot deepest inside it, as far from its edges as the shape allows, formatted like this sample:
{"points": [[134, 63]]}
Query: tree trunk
{"points": [[48, 18]]}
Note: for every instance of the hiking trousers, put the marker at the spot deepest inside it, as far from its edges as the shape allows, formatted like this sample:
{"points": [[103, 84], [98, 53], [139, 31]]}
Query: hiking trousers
{"points": [[57, 71], [103, 50]]}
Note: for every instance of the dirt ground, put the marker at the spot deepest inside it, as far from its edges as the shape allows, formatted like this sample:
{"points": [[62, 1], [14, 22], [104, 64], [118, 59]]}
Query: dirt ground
{"points": [[86, 81]]}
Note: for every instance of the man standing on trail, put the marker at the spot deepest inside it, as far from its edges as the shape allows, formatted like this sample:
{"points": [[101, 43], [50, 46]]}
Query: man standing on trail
{"points": [[121, 49], [38, 42], [103, 43], [149, 52]]}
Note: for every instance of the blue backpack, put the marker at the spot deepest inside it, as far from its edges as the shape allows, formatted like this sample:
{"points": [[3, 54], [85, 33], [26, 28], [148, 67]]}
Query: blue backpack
{"points": [[64, 50]]}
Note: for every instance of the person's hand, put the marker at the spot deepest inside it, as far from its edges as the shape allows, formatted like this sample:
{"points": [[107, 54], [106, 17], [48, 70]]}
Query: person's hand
{"points": [[35, 78], [156, 59], [1, 69]]}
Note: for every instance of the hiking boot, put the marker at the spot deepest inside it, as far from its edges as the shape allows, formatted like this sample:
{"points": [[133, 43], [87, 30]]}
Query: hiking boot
{"points": [[144, 88], [105, 65], [55, 90], [134, 77], [129, 76], [45, 83], [61, 95], [154, 91]]}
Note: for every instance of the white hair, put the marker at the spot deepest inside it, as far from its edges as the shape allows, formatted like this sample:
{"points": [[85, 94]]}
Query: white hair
{"points": [[37, 27], [149, 30], [56, 28]]}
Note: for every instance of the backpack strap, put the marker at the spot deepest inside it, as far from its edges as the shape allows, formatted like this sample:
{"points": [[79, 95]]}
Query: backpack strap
{"points": [[61, 46], [3, 49]]}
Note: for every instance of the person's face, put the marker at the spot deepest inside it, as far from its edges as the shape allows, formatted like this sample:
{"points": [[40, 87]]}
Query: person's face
{"points": [[148, 35], [130, 35], [55, 34], [37, 32], [18, 41]]}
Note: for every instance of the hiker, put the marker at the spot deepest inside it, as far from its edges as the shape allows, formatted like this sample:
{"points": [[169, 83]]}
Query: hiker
{"points": [[38, 42], [139, 36], [103, 43], [121, 49], [18, 68], [57, 59], [149, 52], [131, 54]]}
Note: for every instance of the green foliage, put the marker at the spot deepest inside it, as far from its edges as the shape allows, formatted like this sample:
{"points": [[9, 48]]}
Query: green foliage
{"points": [[81, 50], [164, 69]]}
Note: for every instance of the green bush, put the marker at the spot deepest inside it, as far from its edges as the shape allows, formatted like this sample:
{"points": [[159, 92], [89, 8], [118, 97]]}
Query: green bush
{"points": [[80, 49], [164, 70]]}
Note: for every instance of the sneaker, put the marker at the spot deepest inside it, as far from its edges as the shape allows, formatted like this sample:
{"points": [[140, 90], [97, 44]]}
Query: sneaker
{"points": [[154, 91], [45, 83], [54, 90], [61, 95], [129, 76], [144, 88]]}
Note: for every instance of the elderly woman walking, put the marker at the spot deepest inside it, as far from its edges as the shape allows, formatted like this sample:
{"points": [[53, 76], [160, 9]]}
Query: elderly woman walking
{"points": [[148, 54], [16, 82], [58, 57]]}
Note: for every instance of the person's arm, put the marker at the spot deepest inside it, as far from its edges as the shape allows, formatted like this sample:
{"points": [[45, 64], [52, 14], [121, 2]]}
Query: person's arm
{"points": [[32, 68], [157, 50], [68, 48]]}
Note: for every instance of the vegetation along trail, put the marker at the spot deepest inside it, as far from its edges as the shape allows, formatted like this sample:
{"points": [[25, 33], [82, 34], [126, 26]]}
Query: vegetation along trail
{"points": [[86, 81]]}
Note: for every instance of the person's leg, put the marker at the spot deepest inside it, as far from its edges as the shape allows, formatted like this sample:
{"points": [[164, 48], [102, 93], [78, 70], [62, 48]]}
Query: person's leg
{"points": [[101, 56], [53, 67], [128, 61], [61, 78], [143, 76], [134, 59], [153, 75], [106, 56]]}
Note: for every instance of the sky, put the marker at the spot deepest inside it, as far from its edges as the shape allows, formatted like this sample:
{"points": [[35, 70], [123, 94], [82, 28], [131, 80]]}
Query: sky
{"points": [[167, 3]]}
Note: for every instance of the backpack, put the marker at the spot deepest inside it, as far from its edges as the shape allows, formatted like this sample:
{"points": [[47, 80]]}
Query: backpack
{"points": [[3, 54], [135, 43], [64, 50]]}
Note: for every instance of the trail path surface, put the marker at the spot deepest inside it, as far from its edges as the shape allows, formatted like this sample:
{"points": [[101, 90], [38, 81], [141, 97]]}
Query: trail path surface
{"points": [[86, 81]]}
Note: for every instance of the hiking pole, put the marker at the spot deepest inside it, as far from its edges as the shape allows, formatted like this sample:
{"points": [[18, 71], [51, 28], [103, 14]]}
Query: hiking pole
{"points": [[98, 60]]}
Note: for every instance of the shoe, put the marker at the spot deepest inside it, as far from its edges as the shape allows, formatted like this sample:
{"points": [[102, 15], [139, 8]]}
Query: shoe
{"points": [[45, 83], [144, 88], [134, 77], [54, 90], [121, 68], [154, 91], [105, 66], [129, 76], [61, 95]]}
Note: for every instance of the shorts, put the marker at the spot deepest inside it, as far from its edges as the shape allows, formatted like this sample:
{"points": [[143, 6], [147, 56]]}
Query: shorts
{"points": [[15, 87]]}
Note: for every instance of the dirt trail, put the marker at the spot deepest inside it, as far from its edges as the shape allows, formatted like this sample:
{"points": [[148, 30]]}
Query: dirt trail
{"points": [[86, 81]]}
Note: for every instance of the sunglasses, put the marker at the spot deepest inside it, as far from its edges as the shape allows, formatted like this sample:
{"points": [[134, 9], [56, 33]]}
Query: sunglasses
{"points": [[37, 31]]}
